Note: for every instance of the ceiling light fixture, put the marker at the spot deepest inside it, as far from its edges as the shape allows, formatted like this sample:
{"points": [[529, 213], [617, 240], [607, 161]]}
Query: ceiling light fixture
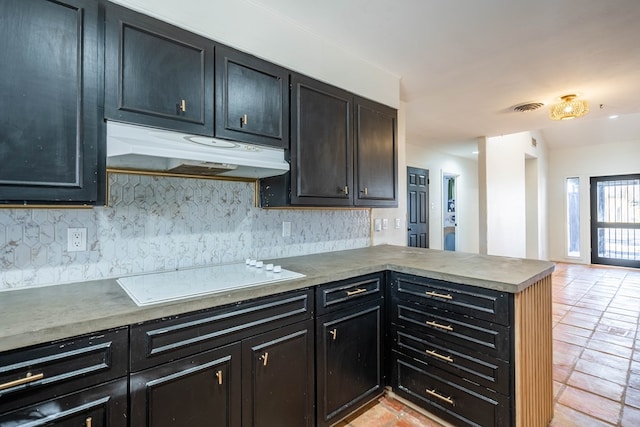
{"points": [[568, 108]]}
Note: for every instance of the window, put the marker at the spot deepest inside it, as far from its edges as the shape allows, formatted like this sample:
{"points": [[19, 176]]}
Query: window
{"points": [[573, 217]]}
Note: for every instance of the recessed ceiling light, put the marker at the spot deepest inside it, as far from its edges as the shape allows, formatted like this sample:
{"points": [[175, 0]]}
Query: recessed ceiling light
{"points": [[474, 152], [614, 116]]}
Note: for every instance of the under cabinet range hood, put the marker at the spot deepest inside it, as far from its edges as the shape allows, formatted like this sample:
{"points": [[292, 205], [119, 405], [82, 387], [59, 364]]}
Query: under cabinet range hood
{"points": [[134, 147]]}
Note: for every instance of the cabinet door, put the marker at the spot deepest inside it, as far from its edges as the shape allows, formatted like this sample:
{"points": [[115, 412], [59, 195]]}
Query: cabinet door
{"points": [[252, 99], [100, 406], [157, 74], [376, 152], [277, 382], [349, 356], [321, 144], [49, 139], [200, 390]]}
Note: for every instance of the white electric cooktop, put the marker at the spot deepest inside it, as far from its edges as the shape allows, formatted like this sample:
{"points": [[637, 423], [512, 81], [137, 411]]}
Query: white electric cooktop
{"points": [[155, 288]]}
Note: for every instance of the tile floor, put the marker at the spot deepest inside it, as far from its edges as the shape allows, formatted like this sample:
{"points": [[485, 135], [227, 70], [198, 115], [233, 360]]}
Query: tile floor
{"points": [[596, 354]]}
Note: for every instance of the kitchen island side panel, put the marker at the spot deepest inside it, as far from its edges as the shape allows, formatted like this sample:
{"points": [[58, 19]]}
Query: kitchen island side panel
{"points": [[534, 355]]}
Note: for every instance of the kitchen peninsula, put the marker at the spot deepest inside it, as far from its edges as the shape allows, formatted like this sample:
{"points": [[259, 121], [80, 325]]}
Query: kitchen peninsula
{"points": [[487, 319]]}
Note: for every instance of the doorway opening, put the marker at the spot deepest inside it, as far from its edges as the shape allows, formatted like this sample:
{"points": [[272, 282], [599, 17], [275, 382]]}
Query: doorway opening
{"points": [[615, 220], [449, 216], [417, 207]]}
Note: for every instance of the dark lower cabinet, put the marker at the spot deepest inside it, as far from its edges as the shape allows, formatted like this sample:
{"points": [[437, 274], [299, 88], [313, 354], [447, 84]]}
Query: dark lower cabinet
{"points": [[100, 406], [349, 360], [50, 135], [199, 390], [278, 377]]}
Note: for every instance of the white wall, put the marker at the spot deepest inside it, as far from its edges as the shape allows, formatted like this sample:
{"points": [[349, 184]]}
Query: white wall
{"points": [[583, 162], [506, 194], [253, 29], [439, 163]]}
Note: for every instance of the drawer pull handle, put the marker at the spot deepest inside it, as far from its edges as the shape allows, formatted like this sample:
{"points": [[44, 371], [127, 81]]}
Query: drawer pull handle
{"points": [[265, 358], [439, 356], [439, 326], [26, 380], [219, 377], [439, 396], [182, 106], [334, 334], [244, 120], [88, 422], [437, 295], [356, 292]]}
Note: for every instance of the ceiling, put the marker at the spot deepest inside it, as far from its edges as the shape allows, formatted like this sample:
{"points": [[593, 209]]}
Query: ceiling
{"points": [[464, 64]]}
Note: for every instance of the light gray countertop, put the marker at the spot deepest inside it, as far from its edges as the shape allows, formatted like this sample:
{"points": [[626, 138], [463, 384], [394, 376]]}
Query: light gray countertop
{"points": [[38, 315]]}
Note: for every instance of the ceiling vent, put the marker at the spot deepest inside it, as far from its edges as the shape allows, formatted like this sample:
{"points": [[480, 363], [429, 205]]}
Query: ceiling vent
{"points": [[529, 106]]}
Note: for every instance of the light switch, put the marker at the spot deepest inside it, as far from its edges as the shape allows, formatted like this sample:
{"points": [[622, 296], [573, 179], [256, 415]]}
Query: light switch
{"points": [[385, 223], [377, 224], [397, 222]]}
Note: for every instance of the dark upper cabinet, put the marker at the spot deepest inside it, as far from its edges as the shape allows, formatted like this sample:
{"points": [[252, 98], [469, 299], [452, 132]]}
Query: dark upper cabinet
{"points": [[343, 151], [252, 99], [50, 137], [321, 144], [376, 154], [157, 74]]}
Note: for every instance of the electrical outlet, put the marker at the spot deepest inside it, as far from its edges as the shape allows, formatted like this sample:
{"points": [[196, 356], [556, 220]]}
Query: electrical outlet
{"points": [[286, 229], [397, 222], [76, 239], [385, 223]]}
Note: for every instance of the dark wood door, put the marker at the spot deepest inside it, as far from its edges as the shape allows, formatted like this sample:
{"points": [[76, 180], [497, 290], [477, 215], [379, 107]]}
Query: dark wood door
{"points": [[277, 384], [101, 406], [349, 357], [376, 151], [49, 85], [157, 74], [321, 144], [418, 207], [252, 99], [194, 391]]}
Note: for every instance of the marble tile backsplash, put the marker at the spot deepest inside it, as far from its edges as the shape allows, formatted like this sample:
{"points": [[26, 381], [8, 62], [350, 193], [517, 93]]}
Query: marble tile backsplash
{"points": [[158, 223]]}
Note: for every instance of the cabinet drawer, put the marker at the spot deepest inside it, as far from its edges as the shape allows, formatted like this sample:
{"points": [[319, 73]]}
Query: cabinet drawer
{"points": [[447, 398], [100, 406], [479, 368], [473, 334], [485, 304], [36, 373], [348, 292], [164, 340]]}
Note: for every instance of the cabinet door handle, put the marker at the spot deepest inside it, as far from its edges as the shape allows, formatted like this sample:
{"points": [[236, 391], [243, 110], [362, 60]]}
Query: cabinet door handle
{"points": [[356, 292], [264, 358], [334, 333], [365, 191], [437, 295], [433, 393], [219, 377], [439, 356], [439, 326], [244, 120], [26, 380], [88, 422], [344, 190], [183, 106]]}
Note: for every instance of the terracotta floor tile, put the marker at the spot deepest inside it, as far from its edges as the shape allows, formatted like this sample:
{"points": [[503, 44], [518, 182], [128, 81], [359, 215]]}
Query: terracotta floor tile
{"points": [[609, 360], [591, 404], [613, 338], [634, 380], [596, 385], [632, 397], [620, 317], [607, 347], [561, 373], [597, 370], [573, 330], [635, 366], [376, 416], [567, 417], [557, 388], [630, 417], [393, 404]]}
